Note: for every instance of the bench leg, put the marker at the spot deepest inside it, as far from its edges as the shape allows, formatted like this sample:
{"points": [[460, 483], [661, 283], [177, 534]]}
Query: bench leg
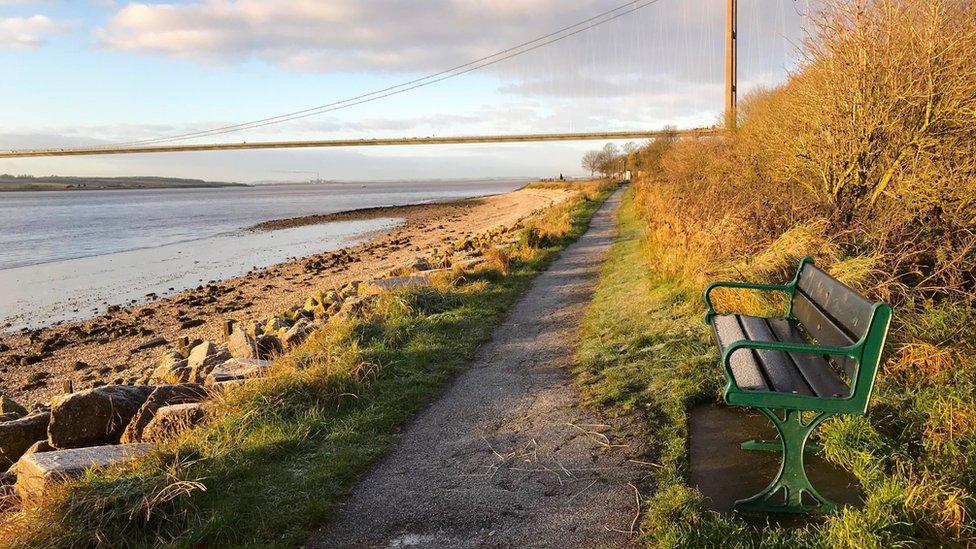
{"points": [[786, 493]]}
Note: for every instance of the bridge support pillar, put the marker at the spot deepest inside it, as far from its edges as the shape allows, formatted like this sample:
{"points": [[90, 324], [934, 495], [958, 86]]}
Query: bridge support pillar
{"points": [[731, 79]]}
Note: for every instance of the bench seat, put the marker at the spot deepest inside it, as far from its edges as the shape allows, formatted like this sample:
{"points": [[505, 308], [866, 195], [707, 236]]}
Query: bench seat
{"points": [[777, 371]]}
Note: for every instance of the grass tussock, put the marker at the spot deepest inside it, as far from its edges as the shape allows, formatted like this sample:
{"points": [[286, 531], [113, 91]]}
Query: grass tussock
{"points": [[277, 454], [863, 159]]}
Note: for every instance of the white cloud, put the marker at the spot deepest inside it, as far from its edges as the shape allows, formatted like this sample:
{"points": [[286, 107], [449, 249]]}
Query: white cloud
{"points": [[310, 35], [677, 43], [28, 32]]}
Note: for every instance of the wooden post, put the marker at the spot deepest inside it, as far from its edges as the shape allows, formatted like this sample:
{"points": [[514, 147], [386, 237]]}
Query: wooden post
{"points": [[731, 62]]}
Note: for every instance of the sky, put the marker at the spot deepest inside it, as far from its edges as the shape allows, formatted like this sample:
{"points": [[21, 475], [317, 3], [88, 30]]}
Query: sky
{"points": [[95, 72]]}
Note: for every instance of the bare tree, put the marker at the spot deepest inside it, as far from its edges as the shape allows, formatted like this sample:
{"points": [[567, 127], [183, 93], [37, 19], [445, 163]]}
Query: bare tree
{"points": [[591, 162], [609, 160]]}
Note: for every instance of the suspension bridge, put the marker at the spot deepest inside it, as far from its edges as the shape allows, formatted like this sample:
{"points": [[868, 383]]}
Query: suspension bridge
{"points": [[176, 143]]}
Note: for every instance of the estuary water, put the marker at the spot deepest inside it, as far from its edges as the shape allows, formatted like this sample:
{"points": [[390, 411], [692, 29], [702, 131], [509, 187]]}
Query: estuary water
{"points": [[66, 255]]}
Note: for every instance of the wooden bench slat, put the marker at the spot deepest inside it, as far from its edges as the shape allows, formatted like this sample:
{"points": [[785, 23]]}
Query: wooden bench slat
{"points": [[851, 311], [745, 368], [815, 369], [780, 368], [823, 329]]}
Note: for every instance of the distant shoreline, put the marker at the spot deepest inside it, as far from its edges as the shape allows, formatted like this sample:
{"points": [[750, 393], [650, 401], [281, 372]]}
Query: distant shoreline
{"points": [[360, 214], [10, 183]]}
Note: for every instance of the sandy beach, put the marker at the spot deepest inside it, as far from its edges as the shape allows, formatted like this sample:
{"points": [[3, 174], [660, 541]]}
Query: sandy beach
{"points": [[35, 364]]}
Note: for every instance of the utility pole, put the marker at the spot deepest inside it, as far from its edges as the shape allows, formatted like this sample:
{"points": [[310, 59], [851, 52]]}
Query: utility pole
{"points": [[731, 79]]}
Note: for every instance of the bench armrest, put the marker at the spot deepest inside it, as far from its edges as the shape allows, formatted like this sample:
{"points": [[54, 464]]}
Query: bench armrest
{"points": [[789, 288], [710, 311]]}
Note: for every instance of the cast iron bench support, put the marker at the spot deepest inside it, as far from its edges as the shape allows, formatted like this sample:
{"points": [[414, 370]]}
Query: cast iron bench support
{"points": [[770, 364]]}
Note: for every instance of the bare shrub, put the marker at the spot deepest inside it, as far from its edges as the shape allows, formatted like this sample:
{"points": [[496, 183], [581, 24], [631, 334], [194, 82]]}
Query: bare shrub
{"points": [[875, 135]]}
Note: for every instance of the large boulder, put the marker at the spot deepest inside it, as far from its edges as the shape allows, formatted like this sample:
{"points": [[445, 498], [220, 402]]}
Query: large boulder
{"points": [[297, 334], [93, 417], [469, 263], [9, 406], [331, 297], [206, 353], [421, 264], [36, 473], [38, 447], [203, 358], [241, 344], [172, 368], [397, 282], [354, 306], [274, 324], [163, 395], [351, 289], [237, 369], [18, 435], [169, 421], [223, 388], [269, 346]]}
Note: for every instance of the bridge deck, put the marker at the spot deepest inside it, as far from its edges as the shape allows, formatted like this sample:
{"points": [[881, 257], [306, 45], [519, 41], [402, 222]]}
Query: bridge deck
{"points": [[392, 141]]}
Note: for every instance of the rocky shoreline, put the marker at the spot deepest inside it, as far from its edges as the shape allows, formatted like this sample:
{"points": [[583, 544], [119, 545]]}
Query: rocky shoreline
{"points": [[172, 389], [118, 346]]}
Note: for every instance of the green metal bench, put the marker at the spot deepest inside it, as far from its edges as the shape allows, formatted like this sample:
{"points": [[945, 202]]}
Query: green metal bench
{"points": [[820, 360]]}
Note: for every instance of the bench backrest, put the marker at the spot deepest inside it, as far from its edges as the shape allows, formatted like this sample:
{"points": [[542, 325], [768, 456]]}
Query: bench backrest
{"points": [[837, 316]]}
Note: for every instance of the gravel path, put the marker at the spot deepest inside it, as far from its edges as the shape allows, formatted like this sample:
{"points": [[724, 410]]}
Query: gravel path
{"points": [[507, 456]]}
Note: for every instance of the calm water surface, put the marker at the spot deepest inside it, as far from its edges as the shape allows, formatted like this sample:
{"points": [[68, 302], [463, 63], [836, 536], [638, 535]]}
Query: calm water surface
{"points": [[66, 255]]}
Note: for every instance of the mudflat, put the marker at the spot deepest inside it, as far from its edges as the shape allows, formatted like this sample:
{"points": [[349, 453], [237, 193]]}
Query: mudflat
{"points": [[121, 345]]}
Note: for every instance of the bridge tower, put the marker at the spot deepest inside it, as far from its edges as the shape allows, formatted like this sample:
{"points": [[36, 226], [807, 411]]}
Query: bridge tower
{"points": [[731, 61]]}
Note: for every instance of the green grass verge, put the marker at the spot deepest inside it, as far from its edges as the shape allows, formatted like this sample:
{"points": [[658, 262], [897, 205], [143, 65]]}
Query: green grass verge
{"points": [[644, 350], [282, 451]]}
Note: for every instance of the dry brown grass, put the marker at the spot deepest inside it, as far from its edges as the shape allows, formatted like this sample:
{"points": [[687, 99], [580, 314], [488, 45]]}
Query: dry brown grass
{"points": [[870, 148], [943, 509], [949, 421], [919, 363], [499, 258], [551, 224]]}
